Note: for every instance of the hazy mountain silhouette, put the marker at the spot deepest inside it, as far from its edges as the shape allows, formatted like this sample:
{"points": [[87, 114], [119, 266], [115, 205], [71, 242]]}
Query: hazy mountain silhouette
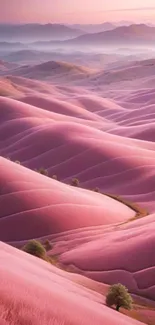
{"points": [[31, 32], [95, 28], [133, 34]]}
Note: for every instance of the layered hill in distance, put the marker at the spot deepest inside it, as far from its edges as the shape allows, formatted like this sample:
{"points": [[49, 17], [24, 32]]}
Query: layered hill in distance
{"points": [[119, 71], [27, 32], [94, 28], [134, 35], [102, 27], [31, 32]]}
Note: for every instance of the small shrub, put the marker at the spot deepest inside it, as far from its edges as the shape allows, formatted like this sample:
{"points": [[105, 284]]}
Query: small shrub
{"points": [[55, 177], [17, 162], [118, 296], [35, 248], [47, 245], [43, 171], [75, 182], [96, 189], [53, 260]]}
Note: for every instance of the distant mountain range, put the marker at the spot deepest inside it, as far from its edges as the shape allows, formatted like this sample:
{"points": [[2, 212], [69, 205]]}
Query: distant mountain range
{"points": [[95, 28], [34, 32], [11, 46], [49, 32], [61, 36], [133, 34]]}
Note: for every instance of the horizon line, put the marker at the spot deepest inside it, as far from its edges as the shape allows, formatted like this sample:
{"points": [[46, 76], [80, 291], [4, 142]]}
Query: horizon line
{"points": [[68, 24]]}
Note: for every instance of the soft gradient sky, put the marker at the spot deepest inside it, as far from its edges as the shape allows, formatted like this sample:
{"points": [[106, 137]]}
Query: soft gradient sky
{"points": [[74, 11]]}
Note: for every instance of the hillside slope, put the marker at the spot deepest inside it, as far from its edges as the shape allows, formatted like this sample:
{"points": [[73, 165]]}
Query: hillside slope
{"points": [[34, 206], [54, 300]]}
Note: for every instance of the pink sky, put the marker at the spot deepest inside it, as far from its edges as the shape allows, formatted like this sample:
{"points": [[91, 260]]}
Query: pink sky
{"points": [[74, 11]]}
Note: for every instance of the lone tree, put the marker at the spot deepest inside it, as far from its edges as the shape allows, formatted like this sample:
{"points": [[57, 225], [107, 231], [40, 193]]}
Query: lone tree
{"points": [[75, 182], [119, 296], [35, 248]]}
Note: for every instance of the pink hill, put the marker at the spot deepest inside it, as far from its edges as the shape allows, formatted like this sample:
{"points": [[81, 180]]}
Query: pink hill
{"points": [[99, 128], [8, 89], [68, 140], [56, 299], [6, 66], [34, 206], [54, 69], [113, 254]]}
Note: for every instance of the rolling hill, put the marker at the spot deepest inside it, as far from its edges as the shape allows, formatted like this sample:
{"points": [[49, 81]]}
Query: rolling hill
{"points": [[53, 69], [35, 292], [96, 125], [49, 206]]}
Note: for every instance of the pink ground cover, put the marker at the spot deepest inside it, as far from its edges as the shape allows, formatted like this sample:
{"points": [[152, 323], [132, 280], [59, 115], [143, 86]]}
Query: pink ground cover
{"points": [[35, 292], [100, 129]]}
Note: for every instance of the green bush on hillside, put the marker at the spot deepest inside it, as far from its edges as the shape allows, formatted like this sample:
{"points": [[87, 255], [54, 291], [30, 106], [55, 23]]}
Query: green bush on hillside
{"points": [[96, 189], [43, 171], [34, 247], [75, 182]]}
